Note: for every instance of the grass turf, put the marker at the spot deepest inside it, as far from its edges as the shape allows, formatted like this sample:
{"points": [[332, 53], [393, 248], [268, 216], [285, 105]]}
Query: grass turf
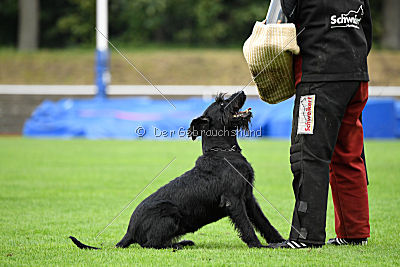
{"points": [[51, 189]]}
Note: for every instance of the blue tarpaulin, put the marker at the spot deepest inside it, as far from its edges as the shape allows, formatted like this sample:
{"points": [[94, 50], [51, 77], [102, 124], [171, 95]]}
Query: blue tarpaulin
{"points": [[141, 117]]}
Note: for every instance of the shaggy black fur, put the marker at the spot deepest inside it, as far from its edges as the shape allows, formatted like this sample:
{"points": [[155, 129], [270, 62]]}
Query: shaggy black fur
{"points": [[210, 191]]}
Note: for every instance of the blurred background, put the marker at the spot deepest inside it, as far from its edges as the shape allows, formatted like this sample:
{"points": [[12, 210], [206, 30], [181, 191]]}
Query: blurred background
{"points": [[172, 42]]}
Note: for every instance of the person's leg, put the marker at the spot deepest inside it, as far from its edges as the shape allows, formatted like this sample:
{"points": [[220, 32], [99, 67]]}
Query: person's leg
{"points": [[311, 152], [348, 174]]}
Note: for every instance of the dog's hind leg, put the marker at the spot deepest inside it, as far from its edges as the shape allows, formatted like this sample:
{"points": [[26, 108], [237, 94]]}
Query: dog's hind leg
{"points": [[182, 244], [125, 241], [161, 233], [238, 215], [186, 243], [261, 223]]}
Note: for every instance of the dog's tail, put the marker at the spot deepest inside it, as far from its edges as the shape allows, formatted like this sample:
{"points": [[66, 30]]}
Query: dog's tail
{"points": [[80, 244]]}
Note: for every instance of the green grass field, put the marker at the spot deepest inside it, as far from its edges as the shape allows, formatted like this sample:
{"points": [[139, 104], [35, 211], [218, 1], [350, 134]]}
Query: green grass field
{"points": [[51, 189]]}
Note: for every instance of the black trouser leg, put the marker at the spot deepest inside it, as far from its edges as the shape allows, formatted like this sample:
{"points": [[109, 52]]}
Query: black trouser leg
{"points": [[310, 155]]}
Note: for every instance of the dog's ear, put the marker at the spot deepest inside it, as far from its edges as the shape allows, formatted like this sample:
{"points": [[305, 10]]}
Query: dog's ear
{"points": [[197, 126]]}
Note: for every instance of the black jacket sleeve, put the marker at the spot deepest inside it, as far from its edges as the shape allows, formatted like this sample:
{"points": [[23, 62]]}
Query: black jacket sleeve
{"points": [[289, 8], [366, 24]]}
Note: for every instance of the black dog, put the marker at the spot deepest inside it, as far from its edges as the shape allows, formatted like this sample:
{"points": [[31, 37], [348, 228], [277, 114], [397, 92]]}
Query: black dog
{"points": [[218, 186]]}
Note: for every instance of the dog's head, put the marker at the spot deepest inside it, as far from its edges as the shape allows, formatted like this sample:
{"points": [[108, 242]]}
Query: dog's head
{"points": [[224, 114]]}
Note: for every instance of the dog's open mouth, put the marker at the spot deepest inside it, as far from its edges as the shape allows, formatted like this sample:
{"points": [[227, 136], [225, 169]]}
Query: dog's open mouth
{"points": [[243, 114]]}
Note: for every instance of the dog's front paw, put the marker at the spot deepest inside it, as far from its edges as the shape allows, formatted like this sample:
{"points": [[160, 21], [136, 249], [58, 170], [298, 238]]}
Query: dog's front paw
{"points": [[256, 245], [276, 240]]}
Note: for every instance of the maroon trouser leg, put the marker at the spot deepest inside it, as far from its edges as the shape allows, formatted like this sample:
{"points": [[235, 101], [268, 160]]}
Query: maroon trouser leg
{"points": [[348, 175]]}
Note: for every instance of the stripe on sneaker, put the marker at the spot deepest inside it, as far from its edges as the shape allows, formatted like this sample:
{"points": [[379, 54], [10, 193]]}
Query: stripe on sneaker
{"points": [[294, 244], [297, 245]]}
